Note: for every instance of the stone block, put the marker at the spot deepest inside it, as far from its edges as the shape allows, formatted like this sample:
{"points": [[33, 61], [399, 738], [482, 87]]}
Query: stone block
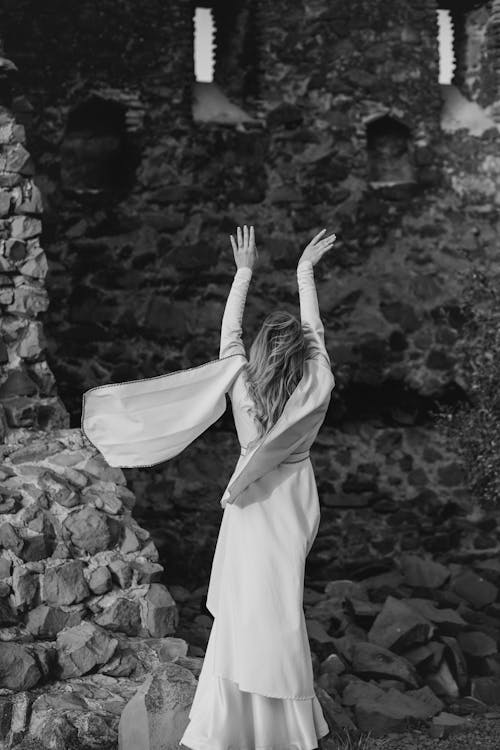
{"points": [[122, 615], [486, 689], [475, 589], [159, 613], [88, 530], [424, 573], [399, 626], [99, 580], [19, 670], [64, 584], [157, 716], [25, 587], [368, 659], [10, 538], [47, 622], [83, 647]]}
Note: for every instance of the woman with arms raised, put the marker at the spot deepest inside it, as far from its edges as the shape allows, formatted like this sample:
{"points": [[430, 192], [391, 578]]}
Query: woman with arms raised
{"points": [[255, 689]]}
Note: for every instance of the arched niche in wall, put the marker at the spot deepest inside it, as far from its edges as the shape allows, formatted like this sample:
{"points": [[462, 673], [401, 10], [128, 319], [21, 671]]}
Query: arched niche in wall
{"points": [[225, 57], [389, 145], [96, 155]]}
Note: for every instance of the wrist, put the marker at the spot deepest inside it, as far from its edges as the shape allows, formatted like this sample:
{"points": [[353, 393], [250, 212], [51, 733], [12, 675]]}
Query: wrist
{"points": [[244, 270], [305, 262]]}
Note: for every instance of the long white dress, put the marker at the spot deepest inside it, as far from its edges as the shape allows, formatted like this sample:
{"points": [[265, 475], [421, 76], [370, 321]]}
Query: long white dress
{"points": [[255, 689]]}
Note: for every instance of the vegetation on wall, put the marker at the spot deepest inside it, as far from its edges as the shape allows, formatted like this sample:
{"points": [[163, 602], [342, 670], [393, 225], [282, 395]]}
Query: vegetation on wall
{"points": [[473, 425]]}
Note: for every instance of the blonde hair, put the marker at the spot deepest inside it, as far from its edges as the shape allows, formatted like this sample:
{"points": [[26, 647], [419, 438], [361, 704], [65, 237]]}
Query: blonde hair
{"points": [[275, 365]]}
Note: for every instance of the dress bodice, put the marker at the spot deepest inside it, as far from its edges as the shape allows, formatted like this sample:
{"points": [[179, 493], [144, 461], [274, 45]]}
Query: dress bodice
{"points": [[246, 423]]}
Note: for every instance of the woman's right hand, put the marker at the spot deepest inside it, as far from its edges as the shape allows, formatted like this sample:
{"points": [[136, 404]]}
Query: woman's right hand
{"points": [[245, 252], [317, 247]]}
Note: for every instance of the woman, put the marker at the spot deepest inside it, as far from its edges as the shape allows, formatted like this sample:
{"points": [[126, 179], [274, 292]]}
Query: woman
{"points": [[255, 689]]}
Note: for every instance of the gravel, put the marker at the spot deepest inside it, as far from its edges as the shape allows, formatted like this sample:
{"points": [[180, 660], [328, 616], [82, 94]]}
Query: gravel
{"points": [[481, 733]]}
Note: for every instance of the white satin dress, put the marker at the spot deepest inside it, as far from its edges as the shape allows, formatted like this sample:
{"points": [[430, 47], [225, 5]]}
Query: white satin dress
{"points": [[255, 689]]}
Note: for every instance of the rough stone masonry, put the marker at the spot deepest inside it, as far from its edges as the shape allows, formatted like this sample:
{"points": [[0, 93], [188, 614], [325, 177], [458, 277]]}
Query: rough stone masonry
{"points": [[346, 128]]}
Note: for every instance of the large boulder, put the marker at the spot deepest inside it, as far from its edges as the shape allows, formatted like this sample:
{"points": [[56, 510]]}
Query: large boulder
{"points": [[156, 717]]}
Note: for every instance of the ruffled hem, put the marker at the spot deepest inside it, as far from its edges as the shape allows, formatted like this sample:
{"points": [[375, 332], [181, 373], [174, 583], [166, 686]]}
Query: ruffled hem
{"points": [[223, 717]]}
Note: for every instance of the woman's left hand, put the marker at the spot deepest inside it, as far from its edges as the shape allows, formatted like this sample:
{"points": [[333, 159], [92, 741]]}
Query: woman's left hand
{"points": [[245, 252]]}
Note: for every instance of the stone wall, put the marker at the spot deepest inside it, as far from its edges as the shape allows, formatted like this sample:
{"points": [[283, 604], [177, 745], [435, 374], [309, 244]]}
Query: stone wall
{"points": [[345, 133], [72, 558], [28, 396], [343, 129]]}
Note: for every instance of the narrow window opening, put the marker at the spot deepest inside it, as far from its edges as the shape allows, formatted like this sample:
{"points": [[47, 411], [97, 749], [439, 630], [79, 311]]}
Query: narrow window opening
{"points": [[204, 45], [389, 158], [225, 64], [446, 34]]}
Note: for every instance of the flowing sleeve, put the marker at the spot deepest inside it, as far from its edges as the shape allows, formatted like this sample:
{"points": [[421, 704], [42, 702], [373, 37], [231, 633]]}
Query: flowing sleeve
{"points": [[231, 328], [144, 422], [312, 325]]}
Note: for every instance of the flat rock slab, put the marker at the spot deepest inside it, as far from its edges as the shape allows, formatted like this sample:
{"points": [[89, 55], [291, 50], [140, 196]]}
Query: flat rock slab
{"points": [[428, 654], [390, 711], [423, 573], [446, 724], [156, 717], [447, 619], [476, 643], [474, 589], [399, 626], [371, 659], [346, 588], [486, 689]]}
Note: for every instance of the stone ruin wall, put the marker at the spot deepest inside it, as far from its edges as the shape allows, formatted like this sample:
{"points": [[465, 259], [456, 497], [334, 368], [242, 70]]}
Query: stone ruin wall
{"points": [[347, 135], [137, 277], [75, 567]]}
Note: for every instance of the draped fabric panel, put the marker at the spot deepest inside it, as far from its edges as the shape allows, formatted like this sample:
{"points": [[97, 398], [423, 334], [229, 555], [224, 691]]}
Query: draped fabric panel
{"points": [[145, 422]]}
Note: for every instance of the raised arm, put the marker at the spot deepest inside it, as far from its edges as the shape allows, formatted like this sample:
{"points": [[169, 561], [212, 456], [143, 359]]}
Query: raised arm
{"points": [[231, 329], [312, 325], [314, 332], [245, 254]]}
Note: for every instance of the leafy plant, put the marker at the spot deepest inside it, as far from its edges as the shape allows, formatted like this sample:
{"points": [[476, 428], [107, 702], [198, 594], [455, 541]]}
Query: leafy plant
{"points": [[473, 426], [351, 740]]}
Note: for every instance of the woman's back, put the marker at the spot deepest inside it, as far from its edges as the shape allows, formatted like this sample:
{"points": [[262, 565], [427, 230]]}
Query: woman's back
{"points": [[249, 428]]}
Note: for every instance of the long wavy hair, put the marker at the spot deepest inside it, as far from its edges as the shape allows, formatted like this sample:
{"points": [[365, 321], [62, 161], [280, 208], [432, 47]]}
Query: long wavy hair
{"points": [[275, 365]]}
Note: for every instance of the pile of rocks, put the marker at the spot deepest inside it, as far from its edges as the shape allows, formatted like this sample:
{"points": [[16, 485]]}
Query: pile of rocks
{"points": [[75, 568], [416, 643], [407, 643], [27, 385], [90, 639]]}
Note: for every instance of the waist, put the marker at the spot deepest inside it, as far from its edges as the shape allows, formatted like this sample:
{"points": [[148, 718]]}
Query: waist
{"points": [[293, 458]]}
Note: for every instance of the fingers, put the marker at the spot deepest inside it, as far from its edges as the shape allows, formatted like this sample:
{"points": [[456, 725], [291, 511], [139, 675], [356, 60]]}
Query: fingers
{"points": [[329, 241], [245, 237], [317, 236], [233, 243]]}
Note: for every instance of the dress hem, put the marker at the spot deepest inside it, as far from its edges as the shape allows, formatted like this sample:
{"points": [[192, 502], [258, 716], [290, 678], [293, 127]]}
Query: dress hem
{"points": [[201, 744], [266, 695]]}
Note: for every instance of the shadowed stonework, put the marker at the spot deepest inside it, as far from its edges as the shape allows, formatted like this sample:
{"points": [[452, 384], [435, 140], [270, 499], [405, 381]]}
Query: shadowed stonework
{"points": [[322, 113]]}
